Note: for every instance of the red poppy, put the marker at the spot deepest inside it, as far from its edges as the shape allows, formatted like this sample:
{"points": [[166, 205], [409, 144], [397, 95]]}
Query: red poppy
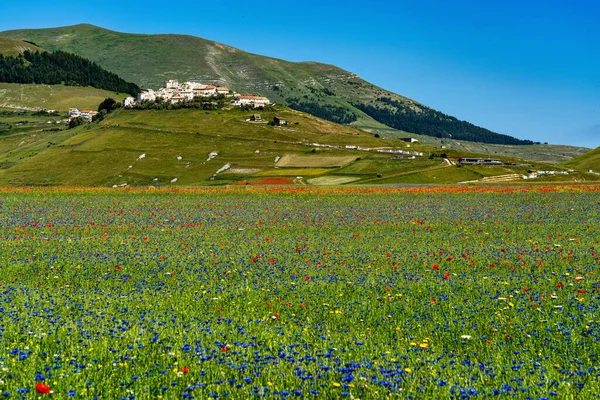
{"points": [[446, 276], [276, 315], [435, 266], [307, 278], [42, 389], [118, 268], [224, 349], [185, 370], [559, 285]]}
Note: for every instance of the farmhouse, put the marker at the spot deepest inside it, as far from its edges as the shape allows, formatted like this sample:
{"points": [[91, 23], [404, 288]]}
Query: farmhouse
{"points": [[251, 100], [278, 121]]}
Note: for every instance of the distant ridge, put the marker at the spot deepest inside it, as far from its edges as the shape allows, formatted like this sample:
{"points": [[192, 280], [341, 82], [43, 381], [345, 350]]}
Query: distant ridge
{"points": [[323, 90]]}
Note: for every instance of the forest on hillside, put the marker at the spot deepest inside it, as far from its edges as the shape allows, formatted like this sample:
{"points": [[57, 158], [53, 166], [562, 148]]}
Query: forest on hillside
{"points": [[429, 122], [61, 68], [340, 115]]}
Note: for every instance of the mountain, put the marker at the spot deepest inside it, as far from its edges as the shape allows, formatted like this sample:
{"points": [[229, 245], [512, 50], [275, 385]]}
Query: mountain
{"points": [[13, 47], [323, 90]]}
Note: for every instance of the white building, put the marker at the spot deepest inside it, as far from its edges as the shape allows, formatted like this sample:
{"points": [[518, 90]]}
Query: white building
{"points": [[73, 112], [188, 95], [251, 100], [147, 94], [128, 102], [205, 91], [88, 114], [170, 84]]}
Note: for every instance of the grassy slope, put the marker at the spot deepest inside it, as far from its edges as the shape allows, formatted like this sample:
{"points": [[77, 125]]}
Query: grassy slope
{"points": [[107, 154], [13, 47], [590, 160], [57, 97]]}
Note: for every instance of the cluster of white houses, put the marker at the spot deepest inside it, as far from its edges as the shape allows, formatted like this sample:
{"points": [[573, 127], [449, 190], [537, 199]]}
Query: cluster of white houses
{"points": [[87, 114], [174, 92]]}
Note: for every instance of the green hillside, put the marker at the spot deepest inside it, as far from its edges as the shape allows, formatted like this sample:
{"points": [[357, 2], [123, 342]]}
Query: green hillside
{"points": [[13, 47], [323, 90], [160, 147], [56, 97], [586, 162]]}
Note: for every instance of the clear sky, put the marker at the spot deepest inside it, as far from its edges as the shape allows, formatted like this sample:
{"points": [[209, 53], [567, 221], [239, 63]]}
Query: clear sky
{"points": [[530, 69]]}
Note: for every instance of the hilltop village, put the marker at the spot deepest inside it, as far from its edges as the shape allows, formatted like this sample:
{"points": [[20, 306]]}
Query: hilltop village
{"points": [[174, 92]]}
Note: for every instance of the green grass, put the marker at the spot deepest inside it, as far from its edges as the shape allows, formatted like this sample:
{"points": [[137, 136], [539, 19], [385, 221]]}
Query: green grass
{"points": [[293, 172], [13, 47], [585, 162], [332, 180], [55, 97], [106, 154], [314, 161], [432, 293]]}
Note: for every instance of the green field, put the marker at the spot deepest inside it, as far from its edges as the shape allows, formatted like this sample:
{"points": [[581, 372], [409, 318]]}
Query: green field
{"points": [[359, 293], [177, 144], [54, 97], [319, 161]]}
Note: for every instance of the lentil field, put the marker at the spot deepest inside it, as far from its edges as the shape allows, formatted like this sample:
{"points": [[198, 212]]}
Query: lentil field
{"points": [[288, 293]]}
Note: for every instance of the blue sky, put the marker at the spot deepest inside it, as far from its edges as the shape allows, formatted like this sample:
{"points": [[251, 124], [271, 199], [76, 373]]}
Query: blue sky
{"points": [[530, 69]]}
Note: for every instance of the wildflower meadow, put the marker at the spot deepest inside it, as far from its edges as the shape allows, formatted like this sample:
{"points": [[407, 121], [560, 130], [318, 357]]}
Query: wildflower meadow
{"points": [[289, 293]]}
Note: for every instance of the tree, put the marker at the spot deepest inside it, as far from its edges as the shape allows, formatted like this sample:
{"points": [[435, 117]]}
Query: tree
{"points": [[75, 122], [108, 105]]}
